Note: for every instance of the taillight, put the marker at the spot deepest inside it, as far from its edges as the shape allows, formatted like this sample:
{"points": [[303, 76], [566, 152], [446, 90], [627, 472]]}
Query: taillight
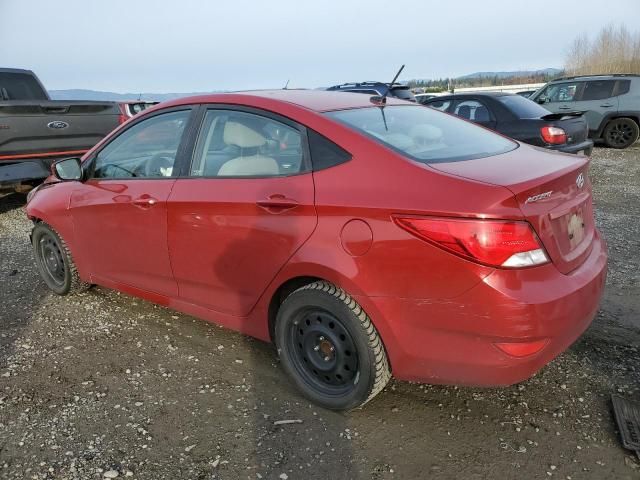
{"points": [[497, 243], [124, 116], [553, 135]]}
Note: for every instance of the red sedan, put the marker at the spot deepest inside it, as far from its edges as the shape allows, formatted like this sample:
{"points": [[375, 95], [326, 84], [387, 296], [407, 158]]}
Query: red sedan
{"points": [[363, 238]]}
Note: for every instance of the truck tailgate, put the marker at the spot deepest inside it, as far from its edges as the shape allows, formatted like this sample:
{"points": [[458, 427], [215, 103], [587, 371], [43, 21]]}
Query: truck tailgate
{"points": [[30, 128]]}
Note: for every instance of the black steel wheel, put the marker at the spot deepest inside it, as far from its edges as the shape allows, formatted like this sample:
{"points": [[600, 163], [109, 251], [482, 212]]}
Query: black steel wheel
{"points": [[52, 258], [55, 262], [325, 354], [621, 133], [330, 348]]}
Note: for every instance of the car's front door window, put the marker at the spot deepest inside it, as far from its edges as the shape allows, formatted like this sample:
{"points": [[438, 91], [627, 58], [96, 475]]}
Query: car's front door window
{"points": [[562, 92], [145, 150]]}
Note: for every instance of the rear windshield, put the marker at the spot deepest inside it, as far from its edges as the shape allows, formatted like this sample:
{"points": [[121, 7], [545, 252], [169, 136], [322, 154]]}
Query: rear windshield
{"points": [[20, 86], [424, 134], [522, 107]]}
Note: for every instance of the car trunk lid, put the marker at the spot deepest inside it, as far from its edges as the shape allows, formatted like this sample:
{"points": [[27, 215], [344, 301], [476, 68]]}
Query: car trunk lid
{"points": [[574, 125], [553, 192]]}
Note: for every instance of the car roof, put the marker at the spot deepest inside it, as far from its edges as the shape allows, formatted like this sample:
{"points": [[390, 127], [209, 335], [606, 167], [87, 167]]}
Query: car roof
{"points": [[316, 100], [15, 70], [603, 76]]}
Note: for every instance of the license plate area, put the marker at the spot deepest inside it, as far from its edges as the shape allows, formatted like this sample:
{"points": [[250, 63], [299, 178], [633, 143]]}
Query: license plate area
{"points": [[572, 227]]}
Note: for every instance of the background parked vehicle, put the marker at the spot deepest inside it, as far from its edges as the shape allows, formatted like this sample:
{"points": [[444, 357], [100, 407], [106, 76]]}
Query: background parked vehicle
{"points": [[521, 119], [398, 90], [35, 130], [233, 208], [611, 103], [129, 109]]}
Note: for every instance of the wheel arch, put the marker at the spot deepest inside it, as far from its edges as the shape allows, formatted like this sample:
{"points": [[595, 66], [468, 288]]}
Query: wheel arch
{"points": [[635, 116]]}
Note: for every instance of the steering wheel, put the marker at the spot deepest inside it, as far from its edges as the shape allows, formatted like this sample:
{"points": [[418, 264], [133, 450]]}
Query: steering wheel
{"points": [[154, 166]]}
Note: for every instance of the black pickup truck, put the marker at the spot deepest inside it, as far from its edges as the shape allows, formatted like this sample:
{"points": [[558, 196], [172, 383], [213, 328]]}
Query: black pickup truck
{"points": [[35, 130]]}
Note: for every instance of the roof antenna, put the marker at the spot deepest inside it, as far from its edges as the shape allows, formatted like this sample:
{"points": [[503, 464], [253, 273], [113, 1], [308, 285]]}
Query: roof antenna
{"points": [[382, 100], [286, 84]]}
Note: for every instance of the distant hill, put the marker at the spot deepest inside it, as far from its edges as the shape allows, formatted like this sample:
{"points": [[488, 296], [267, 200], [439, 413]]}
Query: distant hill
{"points": [[516, 73], [80, 94]]}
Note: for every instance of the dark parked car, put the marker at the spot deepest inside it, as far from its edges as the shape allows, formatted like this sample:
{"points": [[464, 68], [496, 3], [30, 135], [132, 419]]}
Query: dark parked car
{"points": [[611, 104], [362, 239], [521, 119], [35, 130], [398, 90]]}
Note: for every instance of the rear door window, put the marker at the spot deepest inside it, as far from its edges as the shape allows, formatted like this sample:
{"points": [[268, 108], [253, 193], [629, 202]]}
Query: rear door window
{"points": [[597, 90], [240, 144]]}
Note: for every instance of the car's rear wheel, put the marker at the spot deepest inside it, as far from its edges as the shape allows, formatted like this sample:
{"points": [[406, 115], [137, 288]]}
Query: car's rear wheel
{"points": [[330, 348], [55, 262], [621, 133]]}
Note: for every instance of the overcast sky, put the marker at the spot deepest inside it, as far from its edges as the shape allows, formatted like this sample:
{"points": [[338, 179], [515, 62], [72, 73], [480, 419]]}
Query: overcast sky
{"points": [[197, 45]]}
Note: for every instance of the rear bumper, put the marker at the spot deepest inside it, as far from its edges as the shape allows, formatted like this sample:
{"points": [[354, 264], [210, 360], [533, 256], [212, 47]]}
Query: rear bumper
{"points": [[24, 171], [454, 341], [585, 147]]}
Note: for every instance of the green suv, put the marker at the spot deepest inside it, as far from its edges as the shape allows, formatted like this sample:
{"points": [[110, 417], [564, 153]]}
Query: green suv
{"points": [[611, 104]]}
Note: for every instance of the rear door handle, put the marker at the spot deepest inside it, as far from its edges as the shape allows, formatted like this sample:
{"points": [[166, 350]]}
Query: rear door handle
{"points": [[144, 201], [607, 105], [277, 203]]}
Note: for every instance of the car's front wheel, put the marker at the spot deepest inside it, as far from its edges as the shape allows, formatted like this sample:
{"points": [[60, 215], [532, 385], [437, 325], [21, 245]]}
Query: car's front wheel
{"points": [[55, 262], [330, 348], [621, 133]]}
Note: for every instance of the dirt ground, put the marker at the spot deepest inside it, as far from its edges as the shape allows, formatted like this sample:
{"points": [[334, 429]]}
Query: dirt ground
{"points": [[103, 385]]}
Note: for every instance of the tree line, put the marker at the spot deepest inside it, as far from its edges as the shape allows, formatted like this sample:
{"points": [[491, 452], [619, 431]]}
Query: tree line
{"points": [[613, 50]]}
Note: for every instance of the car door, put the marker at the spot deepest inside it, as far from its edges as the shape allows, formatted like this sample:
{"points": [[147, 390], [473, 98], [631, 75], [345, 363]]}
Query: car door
{"points": [[475, 110], [120, 211], [597, 100], [245, 208], [560, 97]]}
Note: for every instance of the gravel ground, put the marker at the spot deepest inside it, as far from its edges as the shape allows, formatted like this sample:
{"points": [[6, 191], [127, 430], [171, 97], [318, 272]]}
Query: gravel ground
{"points": [[103, 385]]}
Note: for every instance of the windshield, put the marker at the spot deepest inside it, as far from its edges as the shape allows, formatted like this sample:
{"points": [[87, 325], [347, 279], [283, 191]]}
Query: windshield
{"points": [[522, 107], [424, 134]]}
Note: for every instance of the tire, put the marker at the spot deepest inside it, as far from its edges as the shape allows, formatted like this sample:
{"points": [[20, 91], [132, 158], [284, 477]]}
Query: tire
{"points": [[621, 133], [55, 262], [330, 348]]}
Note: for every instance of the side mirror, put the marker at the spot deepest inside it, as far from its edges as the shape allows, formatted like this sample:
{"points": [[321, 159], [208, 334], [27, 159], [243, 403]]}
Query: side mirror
{"points": [[67, 169], [541, 100]]}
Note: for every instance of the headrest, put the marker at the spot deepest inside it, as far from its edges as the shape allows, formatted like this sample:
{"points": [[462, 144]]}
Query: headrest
{"points": [[465, 111], [242, 136]]}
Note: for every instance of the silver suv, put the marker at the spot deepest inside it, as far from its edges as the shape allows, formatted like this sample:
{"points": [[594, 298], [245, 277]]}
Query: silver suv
{"points": [[611, 104]]}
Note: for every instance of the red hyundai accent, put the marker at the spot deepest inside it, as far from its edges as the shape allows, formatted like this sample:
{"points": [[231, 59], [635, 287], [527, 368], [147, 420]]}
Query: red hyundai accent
{"points": [[364, 239]]}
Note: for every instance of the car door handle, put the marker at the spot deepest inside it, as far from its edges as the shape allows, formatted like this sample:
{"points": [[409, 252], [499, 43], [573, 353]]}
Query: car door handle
{"points": [[277, 203], [144, 201], [607, 105], [564, 107]]}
